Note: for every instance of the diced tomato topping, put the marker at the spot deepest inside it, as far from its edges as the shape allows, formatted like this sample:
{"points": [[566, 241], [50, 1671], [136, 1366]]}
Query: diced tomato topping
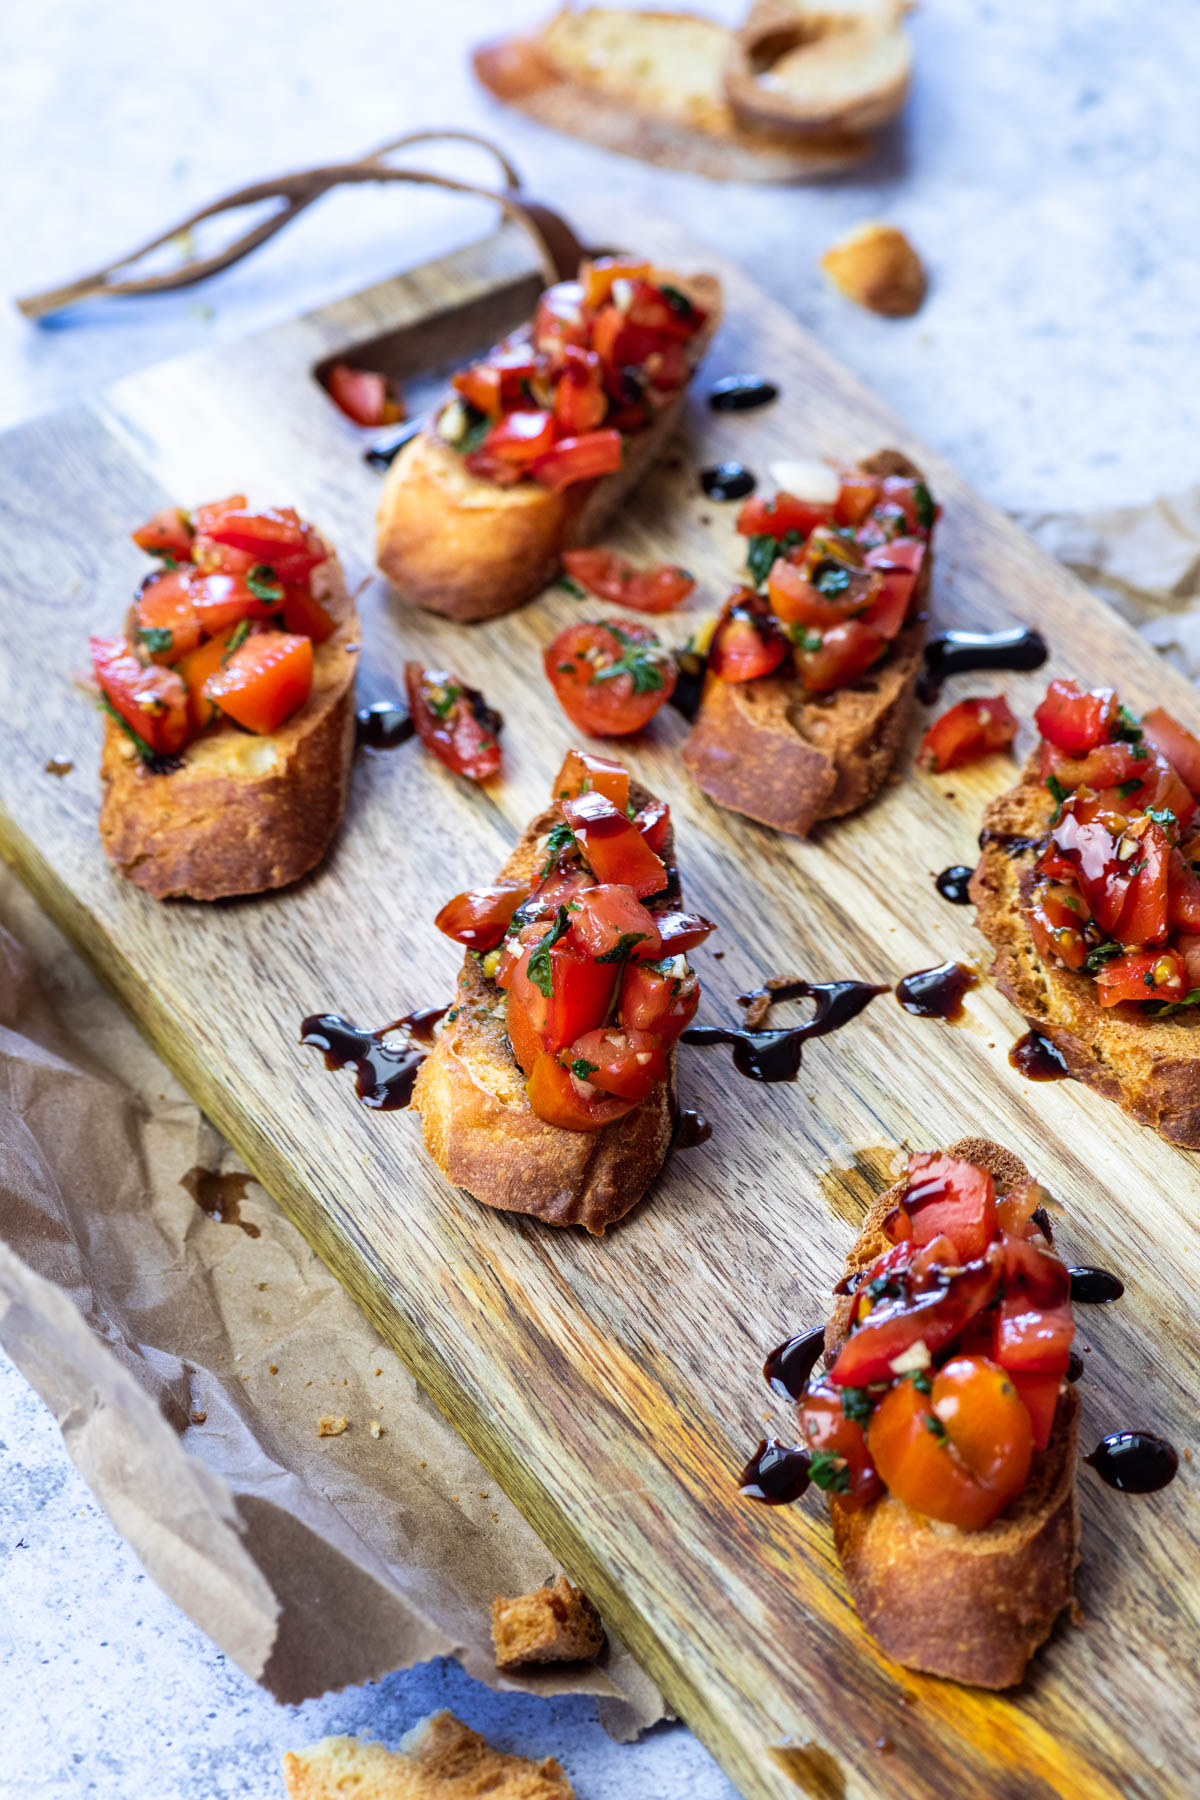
{"points": [[1176, 743], [1039, 1397], [152, 701], [1142, 975], [566, 995], [1032, 1339], [480, 918], [947, 1197], [168, 533], [277, 537], [195, 668], [518, 439], [654, 823], [661, 998], [304, 614], [972, 729], [1057, 913], [264, 681], [889, 611], [167, 623], [560, 1099], [828, 1432], [584, 772], [760, 517], [1144, 915], [580, 402], [681, 932], [560, 321], [453, 721], [858, 494], [612, 577], [597, 276], [612, 845], [610, 679], [894, 1325], [839, 657], [1073, 720], [819, 590], [1183, 895], [959, 1455], [364, 395], [582, 458], [747, 641], [610, 924], [618, 1061]]}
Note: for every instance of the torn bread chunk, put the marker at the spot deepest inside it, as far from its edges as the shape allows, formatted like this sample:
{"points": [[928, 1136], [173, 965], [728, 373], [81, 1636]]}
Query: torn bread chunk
{"points": [[440, 1759], [552, 1624]]}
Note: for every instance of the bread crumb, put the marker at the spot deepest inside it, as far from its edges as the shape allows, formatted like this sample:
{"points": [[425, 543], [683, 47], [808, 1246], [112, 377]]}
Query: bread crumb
{"points": [[441, 1756], [552, 1624], [875, 266], [198, 1418], [375, 1428], [379, 1371], [272, 1368], [332, 1424]]}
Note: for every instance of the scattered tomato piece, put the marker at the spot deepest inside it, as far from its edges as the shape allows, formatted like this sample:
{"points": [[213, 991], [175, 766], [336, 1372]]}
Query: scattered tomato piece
{"points": [[966, 732]]}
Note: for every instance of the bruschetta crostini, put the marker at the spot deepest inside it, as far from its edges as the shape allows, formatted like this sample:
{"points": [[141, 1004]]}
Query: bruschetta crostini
{"points": [[944, 1427], [543, 439], [230, 705], [1088, 892], [550, 1088], [812, 669]]}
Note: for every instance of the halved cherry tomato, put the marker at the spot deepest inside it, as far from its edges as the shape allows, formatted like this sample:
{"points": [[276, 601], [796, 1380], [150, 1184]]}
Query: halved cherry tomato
{"points": [[612, 845], [609, 923], [838, 657], [1073, 720], [480, 918], [364, 395], [583, 772], [654, 823], [611, 576], [560, 1099], [168, 533], [760, 517], [747, 641], [277, 537], [798, 598], [661, 998], [304, 614], [454, 721], [858, 494], [609, 679], [167, 623], [964, 733], [959, 1455], [946, 1196], [580, 402], [264, 681], [568, 995], [618, 1060], [1176, 743], [582, 458], [827, 1430], [1056, 912], [1142, 975], [1039, 1397], [152, 701], [1144, 915], [196, 667]]}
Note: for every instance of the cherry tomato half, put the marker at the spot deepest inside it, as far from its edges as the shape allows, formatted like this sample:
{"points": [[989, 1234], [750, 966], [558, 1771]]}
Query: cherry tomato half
{"points": [[454, 721], [960, 1454], [611, 576], [584, 772], [480, 918], [610, 679]]}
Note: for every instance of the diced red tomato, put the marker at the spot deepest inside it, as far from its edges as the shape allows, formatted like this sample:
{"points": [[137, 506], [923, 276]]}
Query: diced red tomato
{"points": [[618, 1061], [972, 729], [480, 918], [654, 823], [152, 701], [582, 458], [613, 846], [277, 536], [610, 679], [681, 932], [1032, 1339], [889, 611], [597, 275], [1039, 1397], [364, 395], [760, 517], [1073, 720], [168, 533], [1056, 913], [611, 576], [947, 1197], [580, 402], [560, 1099], [517, 440], [839, 657], [584, 772], [893, 1327], [959, 1455], [608, 922], [747, 641], [560, 320], [797, 601], [858, 494], [453, 721], [827, 1429], [1144, 915], [220, 600], [579, 996], [304, 614], [1084, 848], [167, 623], [1176, 743], [902, 555], [657, 999], [264, 681], [1183, 896], [195, 668], [1142, 975]]}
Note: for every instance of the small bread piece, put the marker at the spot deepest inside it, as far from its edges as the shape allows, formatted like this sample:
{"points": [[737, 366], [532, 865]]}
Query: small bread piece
{"points": [[459, 545], [1149, 1066], [651, 85], [767, 749], [440, 1759], [552, 1624], [969, 1605], [241, 813], [838, 65], [480, 1128], [875, 266]]}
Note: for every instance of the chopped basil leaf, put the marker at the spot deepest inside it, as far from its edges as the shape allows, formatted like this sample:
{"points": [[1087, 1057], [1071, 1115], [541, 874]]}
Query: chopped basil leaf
{"points": [[241, 632], [539, 968], [762, 550], [1165, 1007], [444, 705], [1130, 787], [677, 300], [265, 584], [623, 946], [581, 1068], [934, 1424], [167, 558], [857, 1404], [1099, 954], [830, 1472], [1058, 793], [139, 743], [155, 638], [1125, 728], [1163, 816], [638, 662], [561, 838], [1138, 866], [923, 505], [923, 1381], [832, 579], [570, 586], [804, 639], [478, 426]]}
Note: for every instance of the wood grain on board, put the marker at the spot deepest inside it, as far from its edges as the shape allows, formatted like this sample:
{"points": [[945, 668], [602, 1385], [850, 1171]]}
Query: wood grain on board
{"points": [[613, 1387]]}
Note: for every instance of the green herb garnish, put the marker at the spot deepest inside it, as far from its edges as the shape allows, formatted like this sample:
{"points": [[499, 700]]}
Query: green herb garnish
{"points": [[444, 706], [1099, 954], [569, 585], [832, 579], [857, 1404], [581, 1068], [1125, 728], [155, 638], [539, 968], [923, 1381], [561, 837], [830, 1472], [1131, 787], [934, 1424], [1164, 1007], [265, 584], [923, 505], [763, 549], [478, 426], [677, 300], [148, 756], [241, 632], [1163, 816], [1058, 793], [623, 947], [636, 662]]}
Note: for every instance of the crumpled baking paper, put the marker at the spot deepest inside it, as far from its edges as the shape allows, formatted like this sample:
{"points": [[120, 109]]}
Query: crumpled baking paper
{"points": [[189, 1342]]}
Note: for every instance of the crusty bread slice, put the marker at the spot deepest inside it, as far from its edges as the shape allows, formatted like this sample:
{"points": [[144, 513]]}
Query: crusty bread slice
{"points": [[969, 1605], [836, 65], [440, 1759], [552, 1624], [1149, 1066], [480, 1128], [241, 813], [766, 749], [651, 85], [459, 545]]}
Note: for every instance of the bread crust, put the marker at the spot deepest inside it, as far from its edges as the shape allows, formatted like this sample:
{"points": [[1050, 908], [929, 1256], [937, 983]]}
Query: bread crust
{"points": [[969, 1605], [456, 544], [701, 134], [766, 749], [1150, 1067], [242, 813], [439, 1759], [481, 1130], [801, 68]]}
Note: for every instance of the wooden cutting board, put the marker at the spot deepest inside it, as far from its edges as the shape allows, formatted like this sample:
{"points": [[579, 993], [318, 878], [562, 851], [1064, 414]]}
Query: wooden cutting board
{"points": [[613, 1387]]}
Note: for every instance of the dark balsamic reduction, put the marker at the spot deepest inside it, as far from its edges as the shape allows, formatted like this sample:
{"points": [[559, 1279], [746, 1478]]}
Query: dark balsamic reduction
{"points": [[1038, 1059], [386, 1061], [382, 456], [1075, 1366], [1136, 1462], [691, 1128], [951, 884], [1011, 842], [776, 1474], [384, 725], [788, 1367], [775, 1054], [1094, 1287], [690, 669], [936, 993], [958, 652], [739, 393], [727, 481]]}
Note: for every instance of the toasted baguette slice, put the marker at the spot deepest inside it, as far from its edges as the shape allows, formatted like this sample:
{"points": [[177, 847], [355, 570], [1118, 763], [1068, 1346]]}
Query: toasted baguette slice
{"points": [[969, 1605], [651, 85], [439, 1759], [460, 545], [837, 65], [241, 813], [480, 1128], [767, 749], [1150, 1067]]}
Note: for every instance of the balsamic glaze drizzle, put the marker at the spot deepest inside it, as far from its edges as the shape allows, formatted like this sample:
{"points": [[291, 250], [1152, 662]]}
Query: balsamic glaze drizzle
{"points": [[727, 481], [958, 652], [386, 1061], [951, 884], [382, 456], [789, 1366], [739, 393], [691, 1128], [1094, 1287], [776, 1474], [1035, 1057], [775, 1054], [383, 725], [936, 993], [691, 667], [1135, 1462], [1011, 842]]}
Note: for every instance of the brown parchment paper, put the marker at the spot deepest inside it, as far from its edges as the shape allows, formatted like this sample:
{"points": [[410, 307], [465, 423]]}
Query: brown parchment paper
{"points": [[189, 1358]]}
